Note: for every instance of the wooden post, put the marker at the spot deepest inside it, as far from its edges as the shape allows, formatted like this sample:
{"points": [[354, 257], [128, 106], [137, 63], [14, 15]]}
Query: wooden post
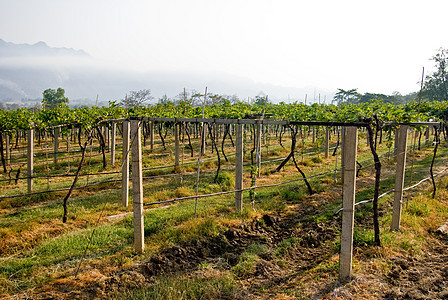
{"points": [[30, 160], [8, 149], [176, 145], [137, 186], [399, 176], [112, 145], [239, 168], [151, 135], [427, 136], [125, 165], [348, 200], [57, 130], [327, 142]]}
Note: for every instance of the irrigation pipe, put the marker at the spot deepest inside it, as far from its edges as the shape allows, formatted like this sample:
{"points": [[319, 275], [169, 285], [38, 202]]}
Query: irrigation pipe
{"points": [[159, 176], [393, 190], [234, 191]]}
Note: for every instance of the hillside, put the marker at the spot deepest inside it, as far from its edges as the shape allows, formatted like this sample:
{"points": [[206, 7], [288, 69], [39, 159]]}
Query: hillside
{"points": [[27, 70]]}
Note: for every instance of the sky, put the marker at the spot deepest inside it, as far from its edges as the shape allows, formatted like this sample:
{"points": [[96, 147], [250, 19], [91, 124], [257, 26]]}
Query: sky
{"points": [[375, 46]]}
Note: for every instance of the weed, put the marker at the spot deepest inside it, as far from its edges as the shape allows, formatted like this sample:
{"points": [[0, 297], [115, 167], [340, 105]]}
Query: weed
{"points": [[219, 286], [248, 260], [225, 180], [363, 237], [285, 245], [316, 159], [293, 194]]}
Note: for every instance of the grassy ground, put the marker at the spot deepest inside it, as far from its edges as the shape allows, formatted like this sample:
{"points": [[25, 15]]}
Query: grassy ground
{"points": [[283, 246]]}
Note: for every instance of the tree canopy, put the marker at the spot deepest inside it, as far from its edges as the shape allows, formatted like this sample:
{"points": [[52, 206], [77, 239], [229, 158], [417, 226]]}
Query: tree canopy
{"points": [[136, 98], [350, 96], [436, 87], [53, 98]]}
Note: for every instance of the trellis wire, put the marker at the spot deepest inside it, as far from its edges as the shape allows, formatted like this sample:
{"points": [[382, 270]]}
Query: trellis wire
{"points": [[147, 177]]}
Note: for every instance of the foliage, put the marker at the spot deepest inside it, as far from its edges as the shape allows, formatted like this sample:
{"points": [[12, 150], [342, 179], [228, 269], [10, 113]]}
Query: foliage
{"points": [[136, 98], [53, 98], [350, 96], [436, 88], [87, 118]]}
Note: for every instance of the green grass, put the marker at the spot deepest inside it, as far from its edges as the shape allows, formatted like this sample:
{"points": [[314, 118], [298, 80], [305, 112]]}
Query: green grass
{"points": [[220, 286], [248, 260], [65, 251]]}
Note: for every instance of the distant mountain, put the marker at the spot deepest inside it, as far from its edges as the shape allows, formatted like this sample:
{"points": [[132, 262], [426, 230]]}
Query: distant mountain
{"points": [[8, 49], [27, 70]]}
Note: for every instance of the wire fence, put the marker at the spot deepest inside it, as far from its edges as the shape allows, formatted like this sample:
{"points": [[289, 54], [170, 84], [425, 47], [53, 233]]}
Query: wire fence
{"points": [[49, 176]]}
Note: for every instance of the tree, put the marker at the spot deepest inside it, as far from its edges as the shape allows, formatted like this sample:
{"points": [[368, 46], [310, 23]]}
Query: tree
{"points": [[53, 98], [136, 98], [164, 99], [371, 96], [436, 88], [350, 96]]}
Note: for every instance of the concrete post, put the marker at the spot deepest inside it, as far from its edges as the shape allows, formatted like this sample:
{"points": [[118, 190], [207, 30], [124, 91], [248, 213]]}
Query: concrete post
{"points": [[8, 149], [204, 136], [176, 145], [137, 186], [151, 135], [57, 130], [30, 159], [67, 138], [259, 127], [327, 142], [399, 176], [348, 200], [396, 143], [343, 133], [125, 165], [108, 137], [112, 145], [239, 168], [314, 134]]}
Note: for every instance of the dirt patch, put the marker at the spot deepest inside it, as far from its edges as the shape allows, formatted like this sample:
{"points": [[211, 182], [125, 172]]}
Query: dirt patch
{"points": [[222, 251], [420, 278]]}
